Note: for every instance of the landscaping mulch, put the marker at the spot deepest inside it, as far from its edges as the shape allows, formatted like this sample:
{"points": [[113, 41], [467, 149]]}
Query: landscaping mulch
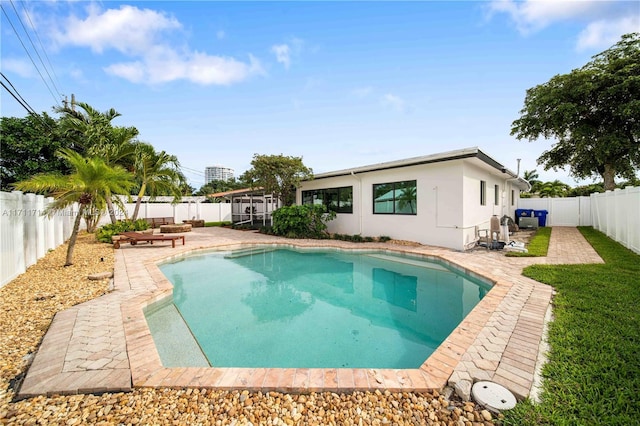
{"points": [[29, 302]]}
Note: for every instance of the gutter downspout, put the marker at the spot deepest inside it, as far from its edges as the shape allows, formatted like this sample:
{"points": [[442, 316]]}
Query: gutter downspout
{"points": [[359, 202]]}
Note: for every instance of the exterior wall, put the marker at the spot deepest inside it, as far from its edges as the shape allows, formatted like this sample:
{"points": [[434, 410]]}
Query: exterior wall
{"points": [[439, 205], [449, 213], [477, 216]]}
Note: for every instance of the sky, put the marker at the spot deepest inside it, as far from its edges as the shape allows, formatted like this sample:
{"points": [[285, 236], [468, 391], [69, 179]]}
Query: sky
{"points": [[340, 84]]}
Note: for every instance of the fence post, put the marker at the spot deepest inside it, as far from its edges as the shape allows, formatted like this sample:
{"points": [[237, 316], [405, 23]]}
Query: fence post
{"points": [[29, 231], [18, 233]]}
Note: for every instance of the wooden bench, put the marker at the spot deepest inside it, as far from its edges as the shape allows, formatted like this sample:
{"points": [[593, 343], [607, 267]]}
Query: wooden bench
{"points": [[156, 222]]}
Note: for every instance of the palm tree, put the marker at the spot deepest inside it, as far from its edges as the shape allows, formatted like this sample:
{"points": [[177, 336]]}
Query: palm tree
{"points": [[118, 150], [95, 135], [407, 197], [553, 189], [90, 181], [157, 173], [532, 176]]}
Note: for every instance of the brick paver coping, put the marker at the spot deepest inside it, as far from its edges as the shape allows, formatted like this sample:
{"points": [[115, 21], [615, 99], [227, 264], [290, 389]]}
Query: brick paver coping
{"points": [[105, 344]]}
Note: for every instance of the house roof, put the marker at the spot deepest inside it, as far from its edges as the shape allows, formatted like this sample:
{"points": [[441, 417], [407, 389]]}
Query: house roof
{"points": [[474, 152], [242, 191]]}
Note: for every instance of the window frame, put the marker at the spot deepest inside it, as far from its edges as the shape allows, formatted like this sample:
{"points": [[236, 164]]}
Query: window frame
{"points": [[331, 198], [496, 195], [483, 192], [396, 186]]}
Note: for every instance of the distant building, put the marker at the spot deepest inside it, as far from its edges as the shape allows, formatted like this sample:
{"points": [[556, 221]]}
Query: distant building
{"points": [[217, 173]]}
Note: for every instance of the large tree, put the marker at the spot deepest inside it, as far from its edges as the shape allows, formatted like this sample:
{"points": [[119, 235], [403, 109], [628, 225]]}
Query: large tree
{"points": [[29, 147], [277, 174], [91, 180], [594, 114]]}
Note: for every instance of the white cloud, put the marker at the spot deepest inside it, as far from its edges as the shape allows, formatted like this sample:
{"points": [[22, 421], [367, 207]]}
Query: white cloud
{"points": [[283, 54], [603, 34], [18, 66], [128, 30], [286, 51], [138, 34], [393, 101], [605, 21]]}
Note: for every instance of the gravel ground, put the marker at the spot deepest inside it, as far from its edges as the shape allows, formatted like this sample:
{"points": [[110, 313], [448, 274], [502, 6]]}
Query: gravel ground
{"points": [[28, 304]]}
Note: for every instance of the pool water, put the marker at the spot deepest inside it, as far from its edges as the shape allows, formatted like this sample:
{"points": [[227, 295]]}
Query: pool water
{"points": [[289, 308]]}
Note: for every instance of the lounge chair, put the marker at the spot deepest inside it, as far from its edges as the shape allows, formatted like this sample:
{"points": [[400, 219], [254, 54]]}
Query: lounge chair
{"points": [[135, 237]]}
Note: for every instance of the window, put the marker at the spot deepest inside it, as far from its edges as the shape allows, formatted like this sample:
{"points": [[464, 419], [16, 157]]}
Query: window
{"points": [[496, 195], [513, 197], [339, 200], [483, 193], [395, 198]]}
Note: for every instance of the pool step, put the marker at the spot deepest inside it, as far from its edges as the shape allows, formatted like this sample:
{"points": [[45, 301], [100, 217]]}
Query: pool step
{"points": [[248, 252], [414, 262]]}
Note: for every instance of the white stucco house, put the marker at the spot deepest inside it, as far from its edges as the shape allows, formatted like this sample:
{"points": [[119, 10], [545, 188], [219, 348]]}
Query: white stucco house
{"points": [[441, 199]]}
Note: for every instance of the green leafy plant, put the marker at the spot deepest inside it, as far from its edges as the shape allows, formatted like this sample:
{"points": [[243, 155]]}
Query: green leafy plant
{"points": [[104, 233], [305, 221]]}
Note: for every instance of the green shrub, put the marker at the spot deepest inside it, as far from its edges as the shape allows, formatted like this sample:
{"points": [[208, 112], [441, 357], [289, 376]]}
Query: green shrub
{"points": [[306, 221], [209, 224], [104, 233]]}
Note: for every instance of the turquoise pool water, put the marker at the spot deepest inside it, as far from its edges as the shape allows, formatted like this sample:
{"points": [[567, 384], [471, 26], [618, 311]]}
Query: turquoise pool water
{"points": [[288, 308]]}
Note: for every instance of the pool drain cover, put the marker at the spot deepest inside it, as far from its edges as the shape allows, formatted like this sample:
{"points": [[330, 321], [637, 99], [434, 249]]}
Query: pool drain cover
{"points": [[493, 396]]}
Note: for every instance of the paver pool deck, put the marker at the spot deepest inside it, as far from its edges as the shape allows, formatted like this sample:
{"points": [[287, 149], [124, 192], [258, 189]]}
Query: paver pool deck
{"points": [[105, 345]]}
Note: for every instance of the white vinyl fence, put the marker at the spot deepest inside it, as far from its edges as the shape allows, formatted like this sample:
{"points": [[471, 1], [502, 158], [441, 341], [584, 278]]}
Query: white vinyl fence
{"points": [[189, 208], [26, 234], [572, 211], [615, 213]]}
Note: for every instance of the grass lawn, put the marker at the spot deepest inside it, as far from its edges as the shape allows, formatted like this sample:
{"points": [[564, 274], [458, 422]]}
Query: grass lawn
{"points": [[538, 246], [593, 373]]}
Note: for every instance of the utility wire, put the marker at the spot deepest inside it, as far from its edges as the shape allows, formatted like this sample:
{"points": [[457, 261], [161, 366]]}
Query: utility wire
{"points": [[26, 12], [30, 111], [21, 101], [28, 54]]}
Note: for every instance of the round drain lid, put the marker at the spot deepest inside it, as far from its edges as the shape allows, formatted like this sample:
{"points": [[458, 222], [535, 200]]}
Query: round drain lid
{"points": [[493, 396]]}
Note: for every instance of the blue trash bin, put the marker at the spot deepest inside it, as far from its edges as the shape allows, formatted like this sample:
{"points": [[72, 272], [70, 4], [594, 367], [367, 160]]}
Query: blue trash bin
{"points": [[523, 213], [542, 217]]}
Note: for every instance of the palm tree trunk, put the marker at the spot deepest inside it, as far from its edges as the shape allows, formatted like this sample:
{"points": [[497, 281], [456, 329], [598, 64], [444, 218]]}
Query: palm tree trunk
{"points": [[74, 236], [112, 213], [143, 188]]}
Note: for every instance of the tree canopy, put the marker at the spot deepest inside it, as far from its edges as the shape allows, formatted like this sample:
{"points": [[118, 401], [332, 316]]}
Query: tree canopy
{"points": [[594, 114], [29, 147], [277, 174]]}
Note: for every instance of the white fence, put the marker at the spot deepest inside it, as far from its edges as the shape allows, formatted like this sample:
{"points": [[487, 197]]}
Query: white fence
{"points": [[573, 211], [615, 213], [186, 210], [25, 234]]}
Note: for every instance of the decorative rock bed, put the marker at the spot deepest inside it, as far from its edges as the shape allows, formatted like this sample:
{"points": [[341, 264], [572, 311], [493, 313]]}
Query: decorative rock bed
{"points": [[173, 229]]}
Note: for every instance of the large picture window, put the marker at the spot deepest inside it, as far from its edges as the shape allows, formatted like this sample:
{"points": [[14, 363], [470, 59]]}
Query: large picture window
{"points": [[395, 198], [339, 200]]}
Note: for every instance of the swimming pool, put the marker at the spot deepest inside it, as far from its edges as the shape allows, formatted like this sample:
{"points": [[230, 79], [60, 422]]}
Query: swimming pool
{"points": [[302, 308]]}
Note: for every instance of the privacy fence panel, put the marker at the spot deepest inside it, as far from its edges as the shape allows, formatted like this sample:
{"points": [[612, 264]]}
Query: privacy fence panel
{"points": [[571, 211], [617, 214], [209, 212], [26, 234]]}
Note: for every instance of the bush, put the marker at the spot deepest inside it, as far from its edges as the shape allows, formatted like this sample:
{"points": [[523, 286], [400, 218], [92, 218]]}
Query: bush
{"points": [[209, 224], [301, 221], [104, 233]]}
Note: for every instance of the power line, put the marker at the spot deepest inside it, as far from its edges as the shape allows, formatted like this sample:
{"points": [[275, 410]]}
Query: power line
{"points": [[28, 54], [26, 12], [21, 101]]}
